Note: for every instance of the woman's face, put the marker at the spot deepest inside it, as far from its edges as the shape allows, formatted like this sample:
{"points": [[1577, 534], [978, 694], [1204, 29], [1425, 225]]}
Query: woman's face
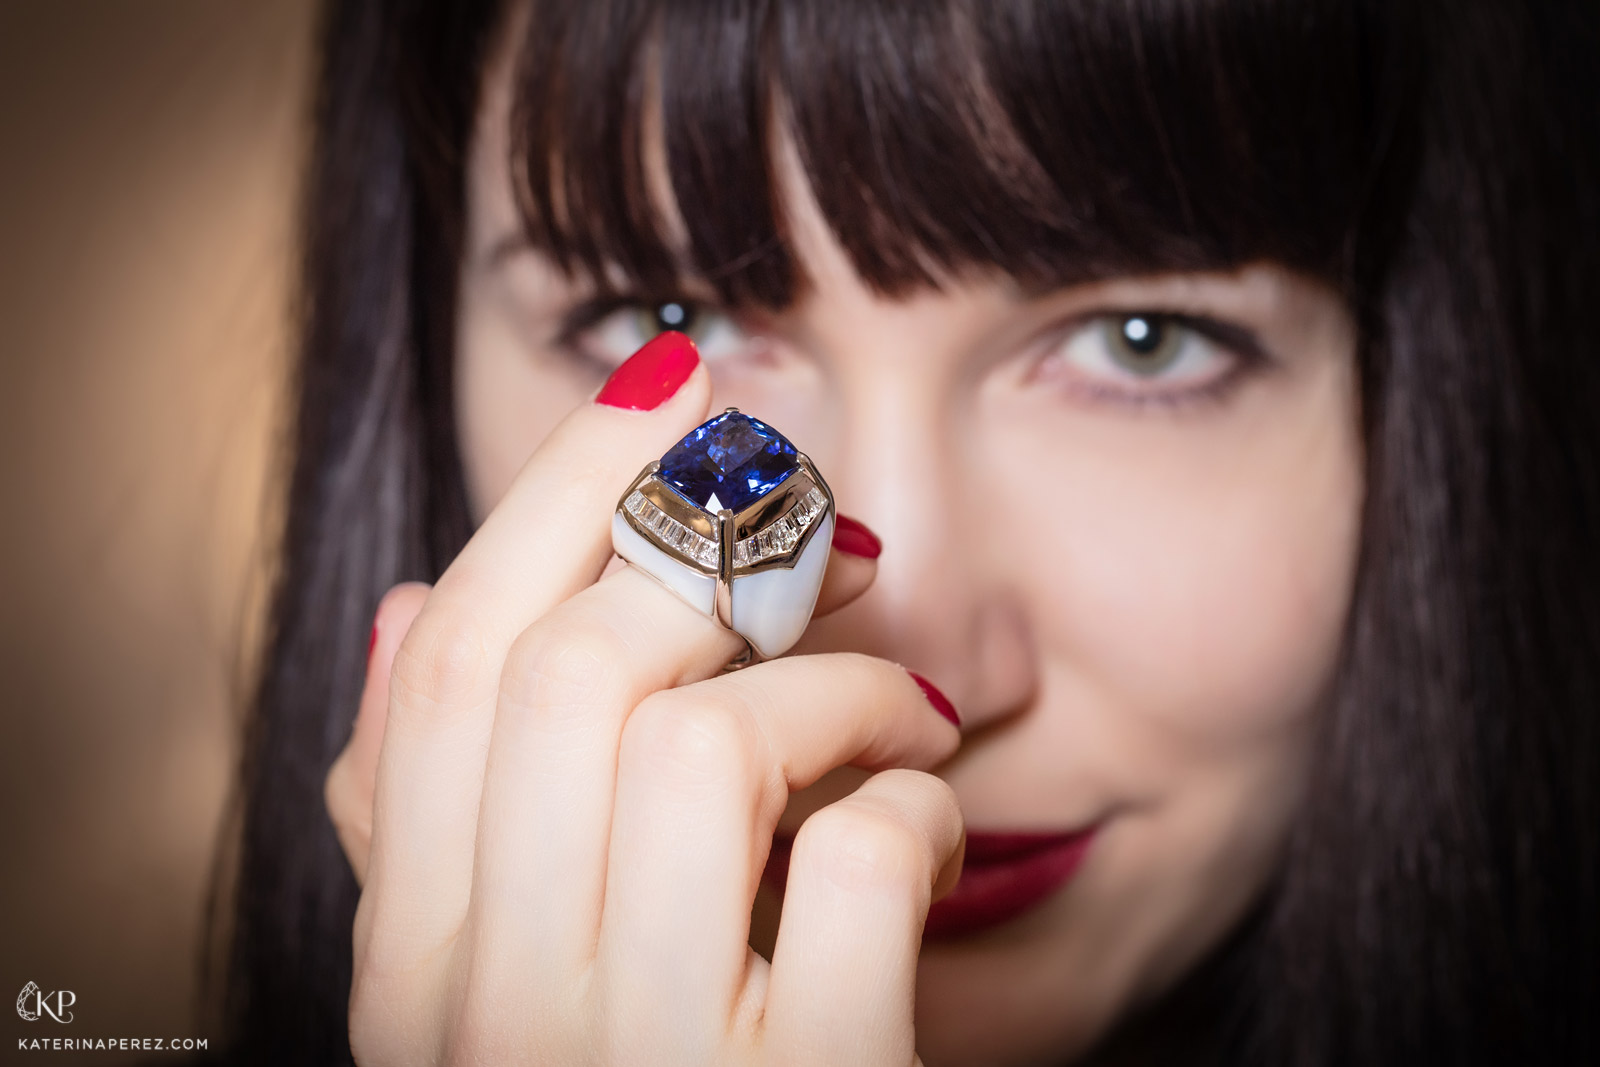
{"points": [[1122, 547]]}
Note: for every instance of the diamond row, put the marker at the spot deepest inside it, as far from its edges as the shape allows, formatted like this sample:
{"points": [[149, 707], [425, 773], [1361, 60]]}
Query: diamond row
{"points": [[673, 533], [780, 536], [775, 540]]}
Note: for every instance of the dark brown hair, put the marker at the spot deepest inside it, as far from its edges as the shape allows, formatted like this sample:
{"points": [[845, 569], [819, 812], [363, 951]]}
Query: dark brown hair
{"points": [[1437, 162]]}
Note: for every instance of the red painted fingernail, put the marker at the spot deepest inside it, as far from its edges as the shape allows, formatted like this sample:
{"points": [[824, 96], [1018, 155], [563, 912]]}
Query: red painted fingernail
{"points": [[372, 642], [651, 374], [940, 702], [854, 537]]}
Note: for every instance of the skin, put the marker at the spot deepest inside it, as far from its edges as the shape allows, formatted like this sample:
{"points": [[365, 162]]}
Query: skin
{"points": [[1133, 591]]}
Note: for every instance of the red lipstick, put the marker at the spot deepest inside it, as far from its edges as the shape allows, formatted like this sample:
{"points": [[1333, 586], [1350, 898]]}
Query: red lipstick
{"points": [[1003, 875]]}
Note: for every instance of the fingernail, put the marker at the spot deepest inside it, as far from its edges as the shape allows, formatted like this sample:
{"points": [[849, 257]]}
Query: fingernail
{"points": [[854, 537], [940, 702], [651, 374], [372, 642]]}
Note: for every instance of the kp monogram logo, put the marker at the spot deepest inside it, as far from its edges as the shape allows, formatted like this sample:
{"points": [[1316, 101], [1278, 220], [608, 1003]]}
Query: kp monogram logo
{"points": [[34, 1003]]}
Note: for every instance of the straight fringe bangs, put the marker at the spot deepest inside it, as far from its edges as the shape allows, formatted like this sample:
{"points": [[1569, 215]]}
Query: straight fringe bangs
{"points": [[1053, 142]]}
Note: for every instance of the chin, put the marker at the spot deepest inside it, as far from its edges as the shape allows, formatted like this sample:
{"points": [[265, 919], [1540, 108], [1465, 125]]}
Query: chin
{"points": [[1014, 996]]}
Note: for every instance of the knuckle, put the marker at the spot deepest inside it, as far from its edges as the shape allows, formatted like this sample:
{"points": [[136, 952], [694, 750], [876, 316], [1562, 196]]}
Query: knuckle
{"points": [[371, 1019], [402, 988], [914, 790], [338, 799], [392, 957], [354, 841], [862, 846], [945, 801], [698, 738], [334, 788], [498, 1016], [381, 961], [480, 1033], [439, 663], [366, 1000], [569, 666]]}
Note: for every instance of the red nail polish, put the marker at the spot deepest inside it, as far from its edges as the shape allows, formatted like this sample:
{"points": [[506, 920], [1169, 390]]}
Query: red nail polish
{"points": [[372, 642], [651, 374], [940, 702], [854, 537]]}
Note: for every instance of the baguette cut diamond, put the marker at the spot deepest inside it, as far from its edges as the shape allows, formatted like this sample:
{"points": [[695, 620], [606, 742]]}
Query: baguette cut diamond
{"points": [[780, 536], [670, 531], [732, 458]]}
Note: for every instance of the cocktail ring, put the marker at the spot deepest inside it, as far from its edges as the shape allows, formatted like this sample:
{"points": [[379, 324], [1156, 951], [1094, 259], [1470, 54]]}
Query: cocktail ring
{"points": [[736, 522]]}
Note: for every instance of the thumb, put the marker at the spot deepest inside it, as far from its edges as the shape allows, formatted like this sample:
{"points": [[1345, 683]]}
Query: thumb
{"points": [[348, 789]]}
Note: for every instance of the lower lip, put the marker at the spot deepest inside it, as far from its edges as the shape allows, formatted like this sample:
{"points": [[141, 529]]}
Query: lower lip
{"points": [[1002, 876]]}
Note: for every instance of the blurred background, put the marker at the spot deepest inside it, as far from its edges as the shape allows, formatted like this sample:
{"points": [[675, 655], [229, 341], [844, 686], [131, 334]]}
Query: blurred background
{"points": [[150, 155]]}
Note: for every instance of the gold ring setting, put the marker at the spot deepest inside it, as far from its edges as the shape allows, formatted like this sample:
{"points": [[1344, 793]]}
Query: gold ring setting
{"points": [[738, 523]]}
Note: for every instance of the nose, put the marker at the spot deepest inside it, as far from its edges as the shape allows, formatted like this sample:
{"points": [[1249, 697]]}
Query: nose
{"points": [[945, 602]]}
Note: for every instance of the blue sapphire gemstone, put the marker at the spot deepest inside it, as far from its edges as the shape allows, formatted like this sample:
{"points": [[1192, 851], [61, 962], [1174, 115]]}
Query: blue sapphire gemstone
{"points": [[728, 461]]}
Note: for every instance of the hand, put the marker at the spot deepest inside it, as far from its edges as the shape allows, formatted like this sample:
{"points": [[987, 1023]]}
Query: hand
{"points": [[559, 809]]}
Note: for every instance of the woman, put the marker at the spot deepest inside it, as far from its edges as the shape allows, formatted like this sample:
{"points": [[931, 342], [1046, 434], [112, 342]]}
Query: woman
{"points": [[1209, 389]]}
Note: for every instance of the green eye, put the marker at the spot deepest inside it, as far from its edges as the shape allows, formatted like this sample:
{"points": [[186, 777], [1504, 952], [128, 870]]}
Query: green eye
{"points": [[1140, 356], [1146, 345]]}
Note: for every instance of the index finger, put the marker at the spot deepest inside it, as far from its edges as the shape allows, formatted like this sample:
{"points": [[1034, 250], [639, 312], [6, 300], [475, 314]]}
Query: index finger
{"points": [[547, 539]]}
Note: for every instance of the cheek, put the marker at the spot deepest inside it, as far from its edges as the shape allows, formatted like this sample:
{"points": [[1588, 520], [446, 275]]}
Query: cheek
{"points": [[1190, 601], [509, 395], [1204, 591]]}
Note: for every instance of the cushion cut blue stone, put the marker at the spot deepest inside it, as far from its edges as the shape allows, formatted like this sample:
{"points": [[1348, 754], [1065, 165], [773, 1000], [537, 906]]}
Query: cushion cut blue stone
{"points": [[732, 457]]}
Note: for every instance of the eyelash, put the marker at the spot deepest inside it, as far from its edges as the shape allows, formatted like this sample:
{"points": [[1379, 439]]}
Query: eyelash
{"points": [[586, 314], [1249, 356]]}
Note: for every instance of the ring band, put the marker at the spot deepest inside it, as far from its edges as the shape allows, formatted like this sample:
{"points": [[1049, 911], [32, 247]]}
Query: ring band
{"points": [[736, 522]]}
